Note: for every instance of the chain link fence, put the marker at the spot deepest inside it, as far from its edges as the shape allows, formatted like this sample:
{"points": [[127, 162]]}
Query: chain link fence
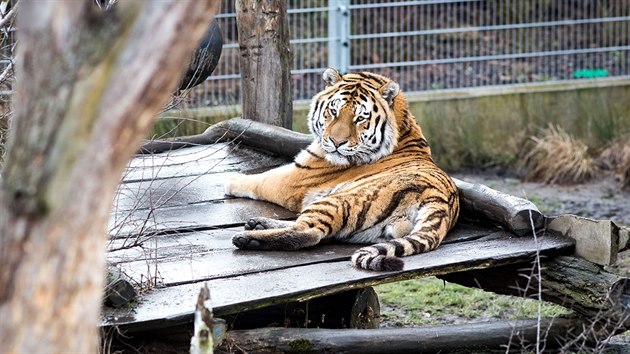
{"points": [[439, 44]]}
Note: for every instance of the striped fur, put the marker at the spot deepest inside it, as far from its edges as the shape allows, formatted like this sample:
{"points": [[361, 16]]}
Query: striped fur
{"points": [[367, 178]]}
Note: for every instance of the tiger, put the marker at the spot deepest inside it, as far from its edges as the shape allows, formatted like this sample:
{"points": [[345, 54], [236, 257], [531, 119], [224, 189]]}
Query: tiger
{"points": [[368, 177]]}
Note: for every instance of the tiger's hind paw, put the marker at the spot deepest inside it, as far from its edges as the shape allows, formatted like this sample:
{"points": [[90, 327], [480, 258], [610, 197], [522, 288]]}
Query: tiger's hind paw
{"points": [[246, 242]]}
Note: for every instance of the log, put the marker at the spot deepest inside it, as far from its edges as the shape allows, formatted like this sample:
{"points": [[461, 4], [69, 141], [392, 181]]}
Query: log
{"points": [[276, 140], [518, 215], [265, 58], [568, 281], [444, 339], [356, 308]]}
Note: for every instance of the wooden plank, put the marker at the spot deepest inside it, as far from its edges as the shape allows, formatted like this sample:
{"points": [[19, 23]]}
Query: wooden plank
{"points": [[597, 241], [168, 306], [170, 192], [190, 257], [197, 161], [122, 250], [200, 216]]}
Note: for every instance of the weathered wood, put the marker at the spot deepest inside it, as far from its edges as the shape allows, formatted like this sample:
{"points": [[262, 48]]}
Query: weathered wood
{"points": [[197, 161], [199, 216], [118, 289], [234, 294], [567, 281], [503, 335], [356, 308], [78, 118], [277, 140], [188, 257], [598, 241], [265, 58]]}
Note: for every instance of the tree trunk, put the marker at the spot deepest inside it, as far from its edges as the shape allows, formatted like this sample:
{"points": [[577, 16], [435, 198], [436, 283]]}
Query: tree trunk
{"points": [[89, 83], [263, 36]]}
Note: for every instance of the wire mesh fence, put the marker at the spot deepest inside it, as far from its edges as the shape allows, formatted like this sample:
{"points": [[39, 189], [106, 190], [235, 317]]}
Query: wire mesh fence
{"points": [[440, 44], [430, 44]]}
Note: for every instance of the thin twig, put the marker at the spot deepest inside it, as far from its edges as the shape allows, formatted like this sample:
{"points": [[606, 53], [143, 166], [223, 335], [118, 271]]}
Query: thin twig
{"points": [[6, 71], [5, 20]]}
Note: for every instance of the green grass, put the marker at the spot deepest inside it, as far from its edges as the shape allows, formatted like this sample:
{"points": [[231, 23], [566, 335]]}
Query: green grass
{"points": [[546, 205], [431, 301]]}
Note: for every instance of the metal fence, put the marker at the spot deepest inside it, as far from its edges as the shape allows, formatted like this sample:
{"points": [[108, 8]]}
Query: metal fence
{"points": [[439, 44]]}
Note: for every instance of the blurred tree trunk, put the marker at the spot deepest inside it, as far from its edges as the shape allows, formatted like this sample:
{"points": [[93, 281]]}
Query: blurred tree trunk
{"points": [[263, 38], [89, 83]]}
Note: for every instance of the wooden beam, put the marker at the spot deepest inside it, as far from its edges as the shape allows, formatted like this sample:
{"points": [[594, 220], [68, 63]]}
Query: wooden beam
{"points": [[598, 241], [265, 58], [519, 215]]}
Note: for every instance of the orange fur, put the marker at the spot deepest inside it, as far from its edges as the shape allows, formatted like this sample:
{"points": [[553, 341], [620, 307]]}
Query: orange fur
{"points": [[368, 177]]}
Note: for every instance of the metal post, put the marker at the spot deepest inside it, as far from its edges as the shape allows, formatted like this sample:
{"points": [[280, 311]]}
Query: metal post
{"points": [[338, 35]]}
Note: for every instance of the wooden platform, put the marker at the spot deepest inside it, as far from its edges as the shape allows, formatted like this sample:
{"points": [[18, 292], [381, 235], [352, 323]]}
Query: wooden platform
{"points": [[171, 231]]}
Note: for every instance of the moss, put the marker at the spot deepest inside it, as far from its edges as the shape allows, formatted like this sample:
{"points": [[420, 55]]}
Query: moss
{"points": [[431, 301], [300, 346]]}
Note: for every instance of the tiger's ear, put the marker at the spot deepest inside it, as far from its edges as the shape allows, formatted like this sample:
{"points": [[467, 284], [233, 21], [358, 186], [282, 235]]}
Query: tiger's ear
{"points": [[389, 91], [331, 76]]}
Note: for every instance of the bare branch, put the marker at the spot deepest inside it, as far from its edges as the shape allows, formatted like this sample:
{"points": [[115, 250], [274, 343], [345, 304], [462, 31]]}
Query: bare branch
{"points": [[9, 16]]}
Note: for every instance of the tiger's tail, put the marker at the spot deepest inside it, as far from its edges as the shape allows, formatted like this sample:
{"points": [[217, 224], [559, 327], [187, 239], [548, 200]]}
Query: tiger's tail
{"points": [[385, 256], [428, 234]]}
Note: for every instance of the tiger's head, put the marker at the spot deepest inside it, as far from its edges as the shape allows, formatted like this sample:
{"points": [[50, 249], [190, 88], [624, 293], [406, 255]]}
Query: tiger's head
{"points": [[353, 117]]}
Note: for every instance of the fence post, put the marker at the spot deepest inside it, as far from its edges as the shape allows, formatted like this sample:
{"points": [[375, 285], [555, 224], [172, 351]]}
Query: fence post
{"points": [[338, 35], [265, 58]]}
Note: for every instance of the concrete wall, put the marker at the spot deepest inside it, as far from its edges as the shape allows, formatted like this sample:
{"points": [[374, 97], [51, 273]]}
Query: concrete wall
{"points": [[491, 125]]}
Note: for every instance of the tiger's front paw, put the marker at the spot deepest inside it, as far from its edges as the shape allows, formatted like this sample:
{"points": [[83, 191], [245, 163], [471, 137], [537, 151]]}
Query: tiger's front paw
{"points": [[239, 186], [263, 223], [246, 242]]}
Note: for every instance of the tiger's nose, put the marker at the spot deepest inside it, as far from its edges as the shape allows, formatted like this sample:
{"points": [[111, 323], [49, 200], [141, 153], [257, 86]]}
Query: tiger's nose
{"points": [[338, 143]]}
